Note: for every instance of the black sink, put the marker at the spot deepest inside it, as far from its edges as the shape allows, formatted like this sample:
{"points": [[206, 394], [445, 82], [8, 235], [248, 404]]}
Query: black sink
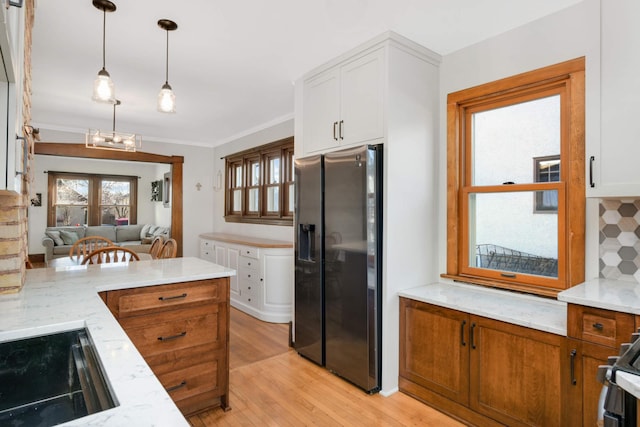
{"points": [[51, 379]]}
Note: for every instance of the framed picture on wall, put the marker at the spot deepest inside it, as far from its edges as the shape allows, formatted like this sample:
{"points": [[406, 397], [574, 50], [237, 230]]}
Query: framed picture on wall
{"points": [[156, 191]]}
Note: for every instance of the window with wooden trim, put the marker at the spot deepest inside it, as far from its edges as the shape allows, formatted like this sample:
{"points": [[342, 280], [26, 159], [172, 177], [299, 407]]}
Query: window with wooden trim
{"points": [[259, 184], [91, 199], [494, 131]]}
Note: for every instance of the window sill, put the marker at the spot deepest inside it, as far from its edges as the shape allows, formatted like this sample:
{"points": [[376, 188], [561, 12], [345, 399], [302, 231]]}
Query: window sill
{"points": [[258, 220], [492, 283]]}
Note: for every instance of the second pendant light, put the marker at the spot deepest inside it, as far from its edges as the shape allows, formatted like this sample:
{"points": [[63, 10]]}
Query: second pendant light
{"points": [[166, 97]]}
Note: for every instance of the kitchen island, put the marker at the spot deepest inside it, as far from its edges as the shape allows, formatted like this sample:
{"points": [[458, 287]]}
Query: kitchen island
{"points": [[61, 299]]}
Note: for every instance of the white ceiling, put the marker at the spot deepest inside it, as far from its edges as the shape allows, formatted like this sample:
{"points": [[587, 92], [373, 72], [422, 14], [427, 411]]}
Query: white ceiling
{"points": [[231, 62]]}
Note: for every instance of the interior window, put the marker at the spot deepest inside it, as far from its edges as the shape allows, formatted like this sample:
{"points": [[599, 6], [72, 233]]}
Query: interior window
{"points": [[91, 199], [267, 190]]}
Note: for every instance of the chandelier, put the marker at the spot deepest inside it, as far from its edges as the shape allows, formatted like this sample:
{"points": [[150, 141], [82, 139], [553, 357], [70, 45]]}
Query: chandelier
{"points": [[112, 140]]}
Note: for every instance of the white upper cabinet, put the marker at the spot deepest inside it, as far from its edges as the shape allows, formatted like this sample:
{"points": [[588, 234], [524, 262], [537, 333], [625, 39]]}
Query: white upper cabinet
{"points": [[613, 162], [12, 149], [343, 105], [384, 89]]}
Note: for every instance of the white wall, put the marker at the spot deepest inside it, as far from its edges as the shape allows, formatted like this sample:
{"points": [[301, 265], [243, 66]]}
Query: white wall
{"points": [[265, 136], [198, 205], [568, 34]]}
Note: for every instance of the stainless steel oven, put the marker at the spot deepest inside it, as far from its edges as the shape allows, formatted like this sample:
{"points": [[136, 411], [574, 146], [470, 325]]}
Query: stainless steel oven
{"points": [[619, 407]]}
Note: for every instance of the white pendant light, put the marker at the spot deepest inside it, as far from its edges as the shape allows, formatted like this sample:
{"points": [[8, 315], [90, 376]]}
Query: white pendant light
{"points": [[166, 97], [103, 90]]}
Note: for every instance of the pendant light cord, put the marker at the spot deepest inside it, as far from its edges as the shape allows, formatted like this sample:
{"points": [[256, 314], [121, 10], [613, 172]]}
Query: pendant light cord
{"points": [[104, 32], [167, 62], [115, 104]]}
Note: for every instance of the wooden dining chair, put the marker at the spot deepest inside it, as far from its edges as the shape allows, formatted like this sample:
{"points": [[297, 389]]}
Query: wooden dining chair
{"points": [[156, 246], [83, 247], [169, 249], [110, 254]]}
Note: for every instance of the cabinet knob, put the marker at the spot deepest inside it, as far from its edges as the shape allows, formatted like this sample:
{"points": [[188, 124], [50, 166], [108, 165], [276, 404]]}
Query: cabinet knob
{"points": [[249, 287]]}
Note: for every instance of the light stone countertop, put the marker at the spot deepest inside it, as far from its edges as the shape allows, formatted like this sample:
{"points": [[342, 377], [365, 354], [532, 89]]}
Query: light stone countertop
{"points": [[60, 299], [608, 294], [247, 240], [629, 382], [539, 313]]}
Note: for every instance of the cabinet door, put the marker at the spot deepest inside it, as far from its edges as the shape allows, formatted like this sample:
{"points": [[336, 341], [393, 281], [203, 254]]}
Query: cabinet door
{"points": [[518, 375], [361, 96], [232, 262], [321, 115], [434, 348], [12, 150], [277, 272], [587, 358], [615, 165]]}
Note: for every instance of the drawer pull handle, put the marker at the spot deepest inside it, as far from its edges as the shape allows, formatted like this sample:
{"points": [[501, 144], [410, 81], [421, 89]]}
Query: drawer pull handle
{"points": [[173, 297], [598, 326], [176, 387], [172, 337], [472, 337]]}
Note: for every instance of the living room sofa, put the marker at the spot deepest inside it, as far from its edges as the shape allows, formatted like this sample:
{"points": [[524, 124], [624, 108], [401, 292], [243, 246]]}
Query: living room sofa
{"points": [[57, 241]]}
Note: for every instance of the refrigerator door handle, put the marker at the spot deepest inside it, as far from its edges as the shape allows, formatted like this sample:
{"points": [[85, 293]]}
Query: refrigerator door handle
{"points": [[306, 242]]}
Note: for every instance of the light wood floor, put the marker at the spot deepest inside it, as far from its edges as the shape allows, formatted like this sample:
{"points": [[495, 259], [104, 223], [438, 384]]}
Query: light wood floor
{"points": [[271, 385]]}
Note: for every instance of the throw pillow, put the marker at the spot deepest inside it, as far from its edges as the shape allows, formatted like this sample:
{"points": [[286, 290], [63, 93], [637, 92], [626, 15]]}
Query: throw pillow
{"points": [[145, 231], [55, 236], [146, 240], [68, 237]]}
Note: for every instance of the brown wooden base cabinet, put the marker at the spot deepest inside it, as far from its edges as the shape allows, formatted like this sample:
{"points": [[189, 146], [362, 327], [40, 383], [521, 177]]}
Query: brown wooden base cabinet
{"points": [[594, 335], [482, 371], [182, 331]]}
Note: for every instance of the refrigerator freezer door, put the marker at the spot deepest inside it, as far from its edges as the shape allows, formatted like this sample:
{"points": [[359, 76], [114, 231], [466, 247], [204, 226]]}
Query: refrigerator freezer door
{"points": [[309, 309], [352, 204]]}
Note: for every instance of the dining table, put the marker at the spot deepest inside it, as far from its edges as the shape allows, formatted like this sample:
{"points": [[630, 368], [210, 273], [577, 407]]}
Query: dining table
{"points": [[67, 261]]}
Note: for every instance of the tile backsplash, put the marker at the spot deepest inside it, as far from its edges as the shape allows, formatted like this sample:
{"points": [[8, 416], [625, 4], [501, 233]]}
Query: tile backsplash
{"points": [[620, 239]]}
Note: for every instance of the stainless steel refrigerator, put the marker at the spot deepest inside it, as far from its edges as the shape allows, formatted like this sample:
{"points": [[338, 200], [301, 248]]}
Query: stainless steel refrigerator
{"points": [[338, 276]]}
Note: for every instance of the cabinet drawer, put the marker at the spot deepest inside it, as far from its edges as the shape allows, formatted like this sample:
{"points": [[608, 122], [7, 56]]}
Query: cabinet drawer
{"points": [[162, 335], [186, 383], [599, 326], [151, 299], [245, 263], [249, 252], [248, 276]]}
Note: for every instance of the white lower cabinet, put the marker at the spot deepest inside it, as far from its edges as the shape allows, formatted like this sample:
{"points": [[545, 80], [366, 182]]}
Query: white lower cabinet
{"points": [[263, 285]]}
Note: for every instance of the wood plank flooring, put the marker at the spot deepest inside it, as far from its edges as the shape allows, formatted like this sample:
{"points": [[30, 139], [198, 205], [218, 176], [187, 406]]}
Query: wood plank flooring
{"points": [[271, 385]]}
